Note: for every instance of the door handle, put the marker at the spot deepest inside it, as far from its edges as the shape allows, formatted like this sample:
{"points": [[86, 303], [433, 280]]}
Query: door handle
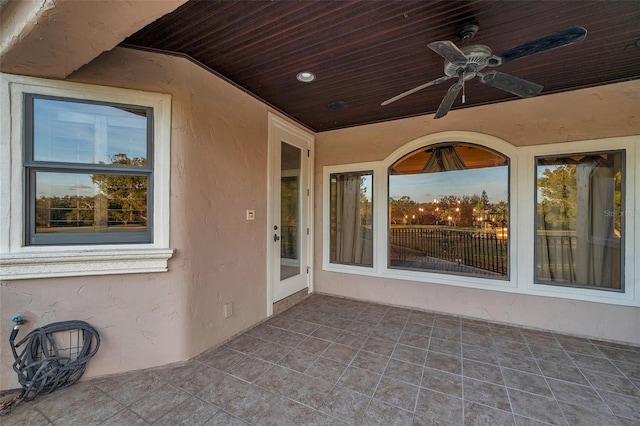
{"points": [[275, 238]]}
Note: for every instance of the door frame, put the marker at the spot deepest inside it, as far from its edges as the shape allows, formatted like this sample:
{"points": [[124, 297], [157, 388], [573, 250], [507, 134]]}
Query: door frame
{"points": [[279, 130]]}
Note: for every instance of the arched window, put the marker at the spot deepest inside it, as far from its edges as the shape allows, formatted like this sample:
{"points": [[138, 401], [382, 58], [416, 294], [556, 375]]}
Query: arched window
{"points": [[449, 211]]}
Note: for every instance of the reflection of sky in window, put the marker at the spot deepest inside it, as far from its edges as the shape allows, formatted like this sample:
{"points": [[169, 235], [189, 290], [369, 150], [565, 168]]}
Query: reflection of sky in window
{"points": [[426, 187], [64, 184], [79, 132], [366, 184]]}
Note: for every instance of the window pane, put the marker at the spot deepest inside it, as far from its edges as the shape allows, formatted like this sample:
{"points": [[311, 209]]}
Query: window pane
{"points": [[580, 221], [90, 203], [449, 211], [351, 205], [74, 132], [290, 210]]}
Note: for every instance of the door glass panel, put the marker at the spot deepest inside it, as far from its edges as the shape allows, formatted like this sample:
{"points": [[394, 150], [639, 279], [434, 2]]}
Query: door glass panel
{"points": [[289, 211]]}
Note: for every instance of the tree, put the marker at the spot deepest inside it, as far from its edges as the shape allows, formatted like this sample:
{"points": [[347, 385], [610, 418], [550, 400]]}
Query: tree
{"points": [[401, 208], [557, 204], [126, 194], [365, 203], [484, 199]]}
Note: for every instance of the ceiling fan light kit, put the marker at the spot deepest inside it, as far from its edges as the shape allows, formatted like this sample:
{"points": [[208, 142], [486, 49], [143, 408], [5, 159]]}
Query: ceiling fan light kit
{"points": [[467, 62]]}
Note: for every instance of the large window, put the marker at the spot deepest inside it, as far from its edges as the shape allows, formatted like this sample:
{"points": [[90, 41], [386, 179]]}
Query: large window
{"points": [[351, 208], [470, 210], [580, 220], [88, 172], [449, 211], [84, 179]]}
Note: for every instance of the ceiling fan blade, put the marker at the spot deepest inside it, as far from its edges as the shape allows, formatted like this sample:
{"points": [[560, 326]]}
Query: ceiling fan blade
{"points": [[511, 84], [415, 89], [448, 100], [548, 42], [448, 50]]}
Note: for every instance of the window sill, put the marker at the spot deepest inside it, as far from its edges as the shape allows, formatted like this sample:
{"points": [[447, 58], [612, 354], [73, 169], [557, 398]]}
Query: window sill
{"points": [[71, 263]]}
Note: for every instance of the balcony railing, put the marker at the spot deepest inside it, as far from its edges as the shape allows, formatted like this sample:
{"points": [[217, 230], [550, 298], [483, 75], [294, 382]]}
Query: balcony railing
{"points": [[555, 255], [473, 252]]}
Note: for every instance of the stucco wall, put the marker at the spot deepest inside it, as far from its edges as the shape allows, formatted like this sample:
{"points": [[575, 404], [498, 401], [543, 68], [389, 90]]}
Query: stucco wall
{"points": [[594, 113], [53, 38], [218, 170]]}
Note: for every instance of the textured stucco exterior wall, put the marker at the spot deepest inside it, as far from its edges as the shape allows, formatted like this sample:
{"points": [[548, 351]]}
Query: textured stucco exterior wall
{"points": [[53, 38], [594, 113], [218, 170]]}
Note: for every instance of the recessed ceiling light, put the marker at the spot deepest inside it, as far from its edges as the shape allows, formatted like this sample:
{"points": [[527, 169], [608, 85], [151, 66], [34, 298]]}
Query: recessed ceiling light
{"points": [[306, 76]]}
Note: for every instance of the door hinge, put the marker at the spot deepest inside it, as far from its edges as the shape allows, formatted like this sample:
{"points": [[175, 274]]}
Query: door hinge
{"points": [[308, 192], [307, 231], [308, 269], [308, 153]]}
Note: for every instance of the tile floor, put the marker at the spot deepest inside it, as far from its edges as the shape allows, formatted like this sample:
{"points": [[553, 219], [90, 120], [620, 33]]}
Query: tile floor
{"points": [[333, 361]]}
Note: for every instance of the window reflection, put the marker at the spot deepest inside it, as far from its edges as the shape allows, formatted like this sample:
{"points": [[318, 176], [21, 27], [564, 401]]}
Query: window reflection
{"points": [[449, 211], [76, 132], [351, 207], [290, 210], [78, 202], [579, 220]]}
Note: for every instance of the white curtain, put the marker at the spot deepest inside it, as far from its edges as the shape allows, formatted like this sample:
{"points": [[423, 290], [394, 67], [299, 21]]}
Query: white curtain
{"points": [[594, 227], [353, 243]]}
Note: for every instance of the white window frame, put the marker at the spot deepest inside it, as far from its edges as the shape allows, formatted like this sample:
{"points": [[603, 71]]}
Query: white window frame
{"points": [[521, 212], [631, 294], [19, 261], [327, 265]]}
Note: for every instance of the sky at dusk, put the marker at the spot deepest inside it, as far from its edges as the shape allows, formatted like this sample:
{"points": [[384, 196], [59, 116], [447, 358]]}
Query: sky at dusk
{"points": [[425, 187]]}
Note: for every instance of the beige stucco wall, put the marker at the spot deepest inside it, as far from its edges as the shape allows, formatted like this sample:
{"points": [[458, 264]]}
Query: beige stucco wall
{"points": [[594, 113], [218, 171], [53, 38]]}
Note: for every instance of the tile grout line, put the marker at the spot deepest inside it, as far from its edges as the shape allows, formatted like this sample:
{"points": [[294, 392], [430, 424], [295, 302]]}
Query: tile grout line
{"points": [[586, 378], [424, 367]]}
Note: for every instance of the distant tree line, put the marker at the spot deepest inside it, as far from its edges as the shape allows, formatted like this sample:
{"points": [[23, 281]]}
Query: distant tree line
{"points": [[463, 211], [120, 200]]}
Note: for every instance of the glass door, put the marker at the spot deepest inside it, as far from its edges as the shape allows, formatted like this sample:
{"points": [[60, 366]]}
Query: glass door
{"points": [[289, 214]]}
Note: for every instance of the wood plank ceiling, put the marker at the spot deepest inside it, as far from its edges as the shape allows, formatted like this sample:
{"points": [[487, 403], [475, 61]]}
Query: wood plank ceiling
{"points": [[364, 52]]}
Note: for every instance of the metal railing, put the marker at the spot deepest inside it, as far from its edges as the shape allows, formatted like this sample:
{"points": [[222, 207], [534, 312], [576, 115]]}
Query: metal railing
{"points": [[474, 249], [555, 257]]}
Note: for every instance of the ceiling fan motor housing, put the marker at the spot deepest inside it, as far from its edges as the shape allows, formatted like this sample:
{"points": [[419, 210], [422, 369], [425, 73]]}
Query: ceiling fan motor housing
{"points": [[478, 56]]}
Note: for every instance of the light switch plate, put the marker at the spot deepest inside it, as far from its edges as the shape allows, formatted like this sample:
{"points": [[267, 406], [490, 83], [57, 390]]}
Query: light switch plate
{"points": [[251, 214]]}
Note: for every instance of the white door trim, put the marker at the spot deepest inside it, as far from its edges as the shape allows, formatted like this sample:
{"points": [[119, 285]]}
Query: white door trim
{"points": [[277, 128]]}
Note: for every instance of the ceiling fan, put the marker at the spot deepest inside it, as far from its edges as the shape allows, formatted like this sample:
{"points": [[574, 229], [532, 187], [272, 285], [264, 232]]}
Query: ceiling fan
{"points": [[466, 62]]}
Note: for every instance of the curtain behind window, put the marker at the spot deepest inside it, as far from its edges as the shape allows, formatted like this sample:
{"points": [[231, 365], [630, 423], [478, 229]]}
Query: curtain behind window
{"points": [[579, 222], [351, 232]]}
